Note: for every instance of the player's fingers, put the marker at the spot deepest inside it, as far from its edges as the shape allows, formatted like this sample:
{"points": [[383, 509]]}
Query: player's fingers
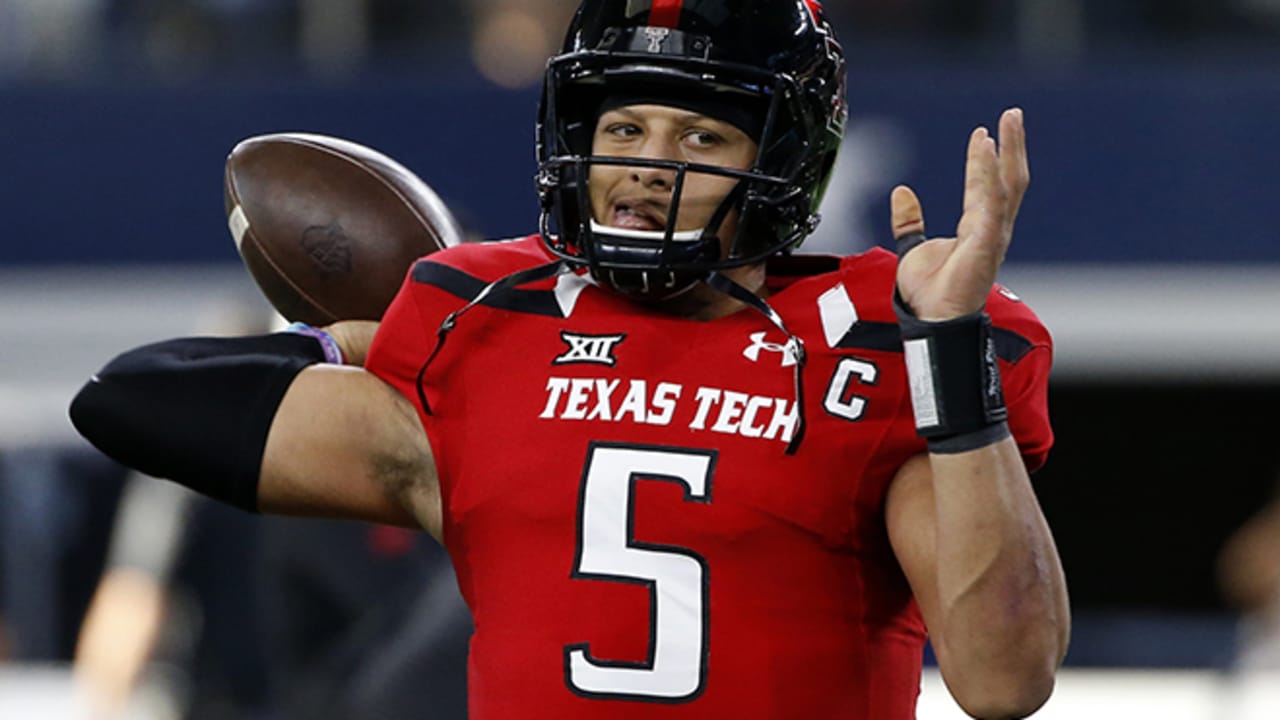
{"points": [[984, 193], [978, 169], [1015, 171]]}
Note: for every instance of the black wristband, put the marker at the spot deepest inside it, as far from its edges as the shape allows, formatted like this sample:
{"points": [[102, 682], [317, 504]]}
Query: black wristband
{"points": [[953, 372], [195, 410], [954, 444]]}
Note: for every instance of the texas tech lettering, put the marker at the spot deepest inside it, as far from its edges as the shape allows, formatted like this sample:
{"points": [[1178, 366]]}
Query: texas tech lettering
{"points": [[600, 399], [663, 403]]}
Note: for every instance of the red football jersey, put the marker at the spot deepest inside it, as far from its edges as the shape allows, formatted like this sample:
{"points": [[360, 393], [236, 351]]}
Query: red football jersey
{"points": [[625, 523]]}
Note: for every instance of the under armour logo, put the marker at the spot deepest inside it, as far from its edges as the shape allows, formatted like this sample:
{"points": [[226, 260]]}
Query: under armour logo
{"points": [[788, 351], [657, 36], [597, 349]]}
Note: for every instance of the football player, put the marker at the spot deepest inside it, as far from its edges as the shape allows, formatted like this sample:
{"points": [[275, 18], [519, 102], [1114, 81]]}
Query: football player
{"points": [[682, 471]]}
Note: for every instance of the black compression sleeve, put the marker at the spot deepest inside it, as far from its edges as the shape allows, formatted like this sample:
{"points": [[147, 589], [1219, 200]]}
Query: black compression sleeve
{"points": [[194, 410]]}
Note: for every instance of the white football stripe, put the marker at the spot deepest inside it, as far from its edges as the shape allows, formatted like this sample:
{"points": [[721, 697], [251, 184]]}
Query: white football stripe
{"points": [[838, 314], [239, 225]]}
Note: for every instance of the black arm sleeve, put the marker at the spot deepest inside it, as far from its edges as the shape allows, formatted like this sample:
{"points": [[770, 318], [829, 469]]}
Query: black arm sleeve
{"points": [[194, 410]]}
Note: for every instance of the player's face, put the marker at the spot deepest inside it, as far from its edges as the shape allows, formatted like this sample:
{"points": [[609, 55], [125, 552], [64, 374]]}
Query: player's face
{"points": [[638, 198]]}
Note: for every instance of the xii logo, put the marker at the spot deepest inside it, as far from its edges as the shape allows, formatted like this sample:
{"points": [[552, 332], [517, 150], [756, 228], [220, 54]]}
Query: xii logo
{"points": [[594, 349]]}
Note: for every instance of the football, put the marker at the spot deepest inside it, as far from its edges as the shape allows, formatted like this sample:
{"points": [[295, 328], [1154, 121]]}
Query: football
{"points": [[327, 227]]}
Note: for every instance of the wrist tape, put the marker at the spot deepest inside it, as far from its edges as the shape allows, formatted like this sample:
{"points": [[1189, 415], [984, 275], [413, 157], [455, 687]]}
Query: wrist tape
{"points": [[954, 377]]}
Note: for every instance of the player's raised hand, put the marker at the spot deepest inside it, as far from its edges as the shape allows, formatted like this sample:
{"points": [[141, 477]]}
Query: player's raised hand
{"points": [[947, 277]]}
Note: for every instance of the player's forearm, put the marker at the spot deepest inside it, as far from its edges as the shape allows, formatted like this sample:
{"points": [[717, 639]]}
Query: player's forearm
{"points": [[315, 464], [1001, 591]]}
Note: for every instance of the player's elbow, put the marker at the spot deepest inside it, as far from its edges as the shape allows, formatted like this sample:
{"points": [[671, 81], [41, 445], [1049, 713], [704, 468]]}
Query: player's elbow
{"points": [[1013, 693], [98, 413]]}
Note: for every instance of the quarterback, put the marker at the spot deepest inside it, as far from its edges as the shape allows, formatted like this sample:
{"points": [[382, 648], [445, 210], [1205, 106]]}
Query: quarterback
{"points": [[682, 470]]}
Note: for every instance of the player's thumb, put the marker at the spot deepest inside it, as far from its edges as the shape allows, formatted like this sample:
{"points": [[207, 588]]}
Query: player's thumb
{"points": [[906, 215], [906, 218]]}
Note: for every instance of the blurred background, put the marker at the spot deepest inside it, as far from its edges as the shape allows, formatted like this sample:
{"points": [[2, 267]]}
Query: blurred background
{"points": [[1148, 244]]}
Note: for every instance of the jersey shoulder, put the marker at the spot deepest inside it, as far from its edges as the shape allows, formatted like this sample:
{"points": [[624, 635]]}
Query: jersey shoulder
{"points": [[491, 259], [874, 272], [870, 275], [1008, 311]]}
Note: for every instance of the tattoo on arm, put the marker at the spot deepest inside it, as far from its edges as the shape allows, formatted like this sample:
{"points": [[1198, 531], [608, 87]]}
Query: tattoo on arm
{"points": [[405, 469]]}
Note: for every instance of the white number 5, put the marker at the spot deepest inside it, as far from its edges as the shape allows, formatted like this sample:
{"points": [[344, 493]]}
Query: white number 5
{"points": [[675, 669]]}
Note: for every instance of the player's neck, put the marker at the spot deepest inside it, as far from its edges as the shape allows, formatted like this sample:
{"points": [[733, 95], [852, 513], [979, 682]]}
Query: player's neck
{"points": [[703, 302]]}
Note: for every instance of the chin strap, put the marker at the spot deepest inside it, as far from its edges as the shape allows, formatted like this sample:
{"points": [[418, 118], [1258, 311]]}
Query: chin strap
{"points": [[722, 283], [533, 274]]}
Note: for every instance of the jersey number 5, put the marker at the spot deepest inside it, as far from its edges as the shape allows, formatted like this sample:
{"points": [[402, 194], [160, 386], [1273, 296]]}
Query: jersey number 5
{"points": [[676, 666]]}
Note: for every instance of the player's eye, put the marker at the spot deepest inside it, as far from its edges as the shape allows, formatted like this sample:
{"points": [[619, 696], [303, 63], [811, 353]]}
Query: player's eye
{"points": [[622, 130], [703, 138]]}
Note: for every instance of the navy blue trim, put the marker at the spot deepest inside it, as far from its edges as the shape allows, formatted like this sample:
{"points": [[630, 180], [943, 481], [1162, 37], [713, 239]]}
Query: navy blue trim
{"points": [[1010, 346], [467, 287], [886, 337], [866, 335], [804, 265]]}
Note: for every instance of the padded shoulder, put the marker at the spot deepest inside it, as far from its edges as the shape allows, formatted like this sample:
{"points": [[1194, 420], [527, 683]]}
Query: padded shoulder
{"points": [[874, 272], [490, 260]]}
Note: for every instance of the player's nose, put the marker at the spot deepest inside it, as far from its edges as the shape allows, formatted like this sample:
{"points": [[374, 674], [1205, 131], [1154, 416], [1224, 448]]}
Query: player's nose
{"points": [[657, 146], [654, 178]]}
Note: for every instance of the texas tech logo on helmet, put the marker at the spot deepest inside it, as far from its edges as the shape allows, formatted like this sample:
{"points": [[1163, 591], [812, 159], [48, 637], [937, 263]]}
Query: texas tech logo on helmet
{"points": [[656, 36]]}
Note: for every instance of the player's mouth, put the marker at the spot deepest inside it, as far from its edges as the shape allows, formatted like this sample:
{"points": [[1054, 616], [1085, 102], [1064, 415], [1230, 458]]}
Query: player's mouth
{"points": [[636, 216]]}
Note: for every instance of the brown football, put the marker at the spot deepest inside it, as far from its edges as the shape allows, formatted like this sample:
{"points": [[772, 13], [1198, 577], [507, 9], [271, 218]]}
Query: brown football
{"points": [[328, 227]]}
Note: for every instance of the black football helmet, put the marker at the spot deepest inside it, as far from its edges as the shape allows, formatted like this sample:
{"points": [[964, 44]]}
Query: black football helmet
{"points": [[778, 56]]}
